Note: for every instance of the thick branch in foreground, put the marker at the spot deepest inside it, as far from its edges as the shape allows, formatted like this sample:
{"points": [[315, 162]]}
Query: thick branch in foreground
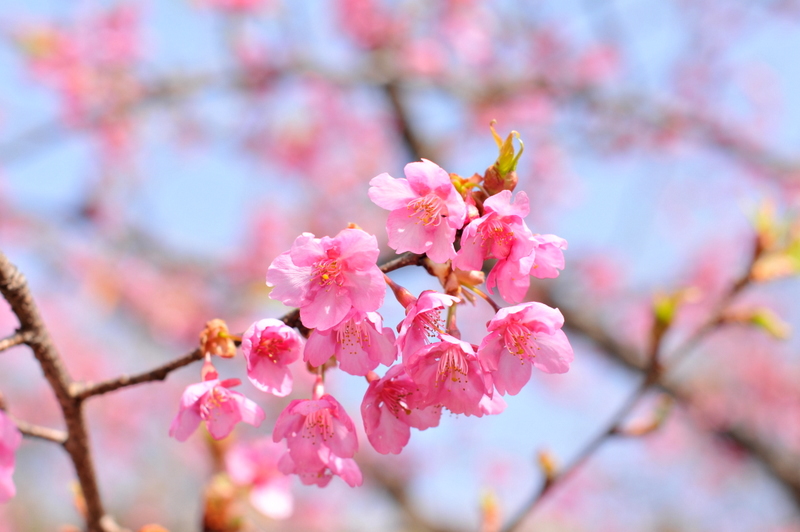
{"points": [[14, 289]]}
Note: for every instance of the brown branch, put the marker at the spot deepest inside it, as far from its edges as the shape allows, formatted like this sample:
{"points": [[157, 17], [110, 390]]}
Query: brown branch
{"points": [[157, 374], [781, 465], [411, 139], [18, 338], [612, 428], [648, 364], [14, 289], [43, 433]]}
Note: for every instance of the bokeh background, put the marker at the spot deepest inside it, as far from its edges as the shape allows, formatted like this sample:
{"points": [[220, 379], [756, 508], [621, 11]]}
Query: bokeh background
{"points": [[155, 156]]}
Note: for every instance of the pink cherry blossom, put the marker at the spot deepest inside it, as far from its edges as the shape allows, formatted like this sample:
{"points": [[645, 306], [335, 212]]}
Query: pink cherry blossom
{"points": [[448, 374], [391, 407], [321, 439], [549, 256], [213, 402], [269, 346], [10, 439], [359, 343], [321, 468], [423, 321], [326, 277], [501, 233], [255, 465], [426, 210], [512, 278], [521, 336]]}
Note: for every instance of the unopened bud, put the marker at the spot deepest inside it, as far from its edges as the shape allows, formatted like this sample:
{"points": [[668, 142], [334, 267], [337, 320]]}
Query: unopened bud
{"points": [[763, 318], [216, 340], [502, 174], [470, 278], [659, 415], [775, 265], [220, 513], [402, 294], [77, 498], [768, 228], [153, 528], [490, 513], [548, 464], [666, 305]]}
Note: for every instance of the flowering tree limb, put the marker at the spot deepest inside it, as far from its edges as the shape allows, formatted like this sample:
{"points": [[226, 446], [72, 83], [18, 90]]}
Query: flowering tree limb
{"points": [[14, 289]]}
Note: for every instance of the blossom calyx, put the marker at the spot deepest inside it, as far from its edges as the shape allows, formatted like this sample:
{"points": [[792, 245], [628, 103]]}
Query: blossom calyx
{"points": [[216, 340]]}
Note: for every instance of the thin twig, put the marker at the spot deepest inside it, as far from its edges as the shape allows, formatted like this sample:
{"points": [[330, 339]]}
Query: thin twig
{"points": [[782, 466], [43, 433], [157, 374], [653, 375], [591, 447], [396, 488], [18, 338]]}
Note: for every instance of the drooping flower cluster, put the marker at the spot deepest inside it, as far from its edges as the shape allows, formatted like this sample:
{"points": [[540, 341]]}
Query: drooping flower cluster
{"points": [[334, 282]]}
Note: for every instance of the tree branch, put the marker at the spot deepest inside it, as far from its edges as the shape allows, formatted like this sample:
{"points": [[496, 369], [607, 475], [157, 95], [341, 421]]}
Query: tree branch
{"points": [[781, 465], [18, 338], [43, 433], [14, 289], [157, 374], [653, 373], [396, 489]]}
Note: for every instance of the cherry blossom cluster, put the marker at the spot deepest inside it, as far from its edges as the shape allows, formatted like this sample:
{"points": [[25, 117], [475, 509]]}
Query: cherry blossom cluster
{"points": [[458, 225]]}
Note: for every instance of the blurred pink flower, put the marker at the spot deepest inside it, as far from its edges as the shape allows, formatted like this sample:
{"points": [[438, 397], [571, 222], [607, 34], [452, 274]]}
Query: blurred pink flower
{"points": [[426, 210], [10, 439], [391, 407], [548, 257], [269, 346], [322, 441], [326, 277], [235, 6], [366, 22], [359, 343], [212, 401], [423, 321], [255, 465], [521, 336], [448, 374]]}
